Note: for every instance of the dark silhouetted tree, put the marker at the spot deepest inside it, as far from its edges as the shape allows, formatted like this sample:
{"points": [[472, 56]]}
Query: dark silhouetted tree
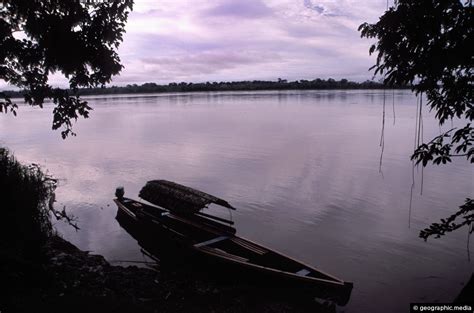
{"points": [[77, 38], [428, 44]]}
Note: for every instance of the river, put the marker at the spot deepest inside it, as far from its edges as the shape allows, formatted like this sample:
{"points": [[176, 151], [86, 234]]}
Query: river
{"points": [[301, 167]]}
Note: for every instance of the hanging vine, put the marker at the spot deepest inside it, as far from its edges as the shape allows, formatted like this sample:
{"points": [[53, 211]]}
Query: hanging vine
{"points": [[433, 55]]}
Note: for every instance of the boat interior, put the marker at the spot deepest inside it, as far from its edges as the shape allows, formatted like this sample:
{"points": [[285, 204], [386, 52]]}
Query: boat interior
{"points": [[218, 239]]}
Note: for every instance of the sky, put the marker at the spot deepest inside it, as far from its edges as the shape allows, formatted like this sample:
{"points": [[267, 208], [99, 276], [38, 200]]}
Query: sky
{"points": [[230, 40]]}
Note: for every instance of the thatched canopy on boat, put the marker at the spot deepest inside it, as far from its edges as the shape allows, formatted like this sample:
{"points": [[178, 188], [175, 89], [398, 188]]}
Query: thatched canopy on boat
{"points": [[176, 197]]}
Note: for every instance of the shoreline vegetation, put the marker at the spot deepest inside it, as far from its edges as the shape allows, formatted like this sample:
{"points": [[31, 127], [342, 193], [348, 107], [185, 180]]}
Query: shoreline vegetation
{"points": [[256, 85]]}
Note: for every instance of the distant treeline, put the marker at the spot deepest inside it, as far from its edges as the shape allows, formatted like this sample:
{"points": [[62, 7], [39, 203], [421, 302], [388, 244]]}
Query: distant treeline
{"points": [[280, 84]]}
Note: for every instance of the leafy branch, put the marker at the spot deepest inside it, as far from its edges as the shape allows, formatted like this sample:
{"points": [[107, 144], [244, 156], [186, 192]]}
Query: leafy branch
{"points": [[437, 151], [466, 213], [6, 104], [70, 37]]}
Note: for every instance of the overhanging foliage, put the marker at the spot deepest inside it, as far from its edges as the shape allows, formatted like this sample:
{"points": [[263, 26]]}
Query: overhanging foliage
{"points": [[76, 38], [428, 44]]}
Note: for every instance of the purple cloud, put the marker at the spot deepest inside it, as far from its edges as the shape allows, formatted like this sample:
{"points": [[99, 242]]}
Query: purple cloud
{"points": [[316, 7], [206, 63], [239, 9], [323, 9]]}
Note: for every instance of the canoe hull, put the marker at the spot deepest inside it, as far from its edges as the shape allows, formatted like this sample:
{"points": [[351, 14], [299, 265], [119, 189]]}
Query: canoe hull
{"points": [[224, 251]]}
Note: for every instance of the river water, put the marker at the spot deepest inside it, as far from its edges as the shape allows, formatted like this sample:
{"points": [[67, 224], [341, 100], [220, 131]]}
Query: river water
{"points": [[301, 167]]}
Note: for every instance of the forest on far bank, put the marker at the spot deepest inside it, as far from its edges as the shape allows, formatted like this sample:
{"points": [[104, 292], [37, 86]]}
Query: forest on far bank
{"points": [[280, 84]]}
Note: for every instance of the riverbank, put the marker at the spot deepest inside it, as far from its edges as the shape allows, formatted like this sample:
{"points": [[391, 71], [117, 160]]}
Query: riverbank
{"points": [[77, 281]]}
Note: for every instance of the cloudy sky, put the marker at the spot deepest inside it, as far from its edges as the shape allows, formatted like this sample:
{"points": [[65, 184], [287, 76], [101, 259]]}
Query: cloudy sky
{"points": [[224, 40], [215, 40]]}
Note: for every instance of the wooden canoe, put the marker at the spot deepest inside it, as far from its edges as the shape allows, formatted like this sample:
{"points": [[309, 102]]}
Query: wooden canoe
{"points": [[217, 242]]}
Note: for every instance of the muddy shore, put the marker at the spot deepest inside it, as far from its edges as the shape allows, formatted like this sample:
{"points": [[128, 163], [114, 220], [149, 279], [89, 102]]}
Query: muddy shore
{"points": [[76, 281]]}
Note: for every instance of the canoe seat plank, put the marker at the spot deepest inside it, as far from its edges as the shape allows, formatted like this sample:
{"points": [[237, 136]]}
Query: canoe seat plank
{"points": [[249, 246], [211, 241], [225, 254], [303, 272]]}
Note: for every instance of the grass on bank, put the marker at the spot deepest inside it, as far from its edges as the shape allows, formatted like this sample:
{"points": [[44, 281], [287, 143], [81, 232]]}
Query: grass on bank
{"points": [[25, 192]]}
